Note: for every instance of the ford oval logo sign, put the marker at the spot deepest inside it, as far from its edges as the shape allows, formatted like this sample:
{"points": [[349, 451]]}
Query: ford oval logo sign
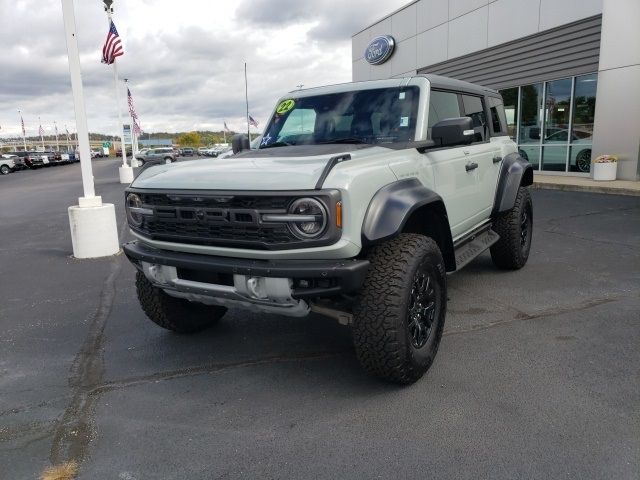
{"points": [[379, 49]]}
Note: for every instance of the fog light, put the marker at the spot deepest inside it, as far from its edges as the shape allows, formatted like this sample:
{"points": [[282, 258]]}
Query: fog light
{"points": [[256, 288]]}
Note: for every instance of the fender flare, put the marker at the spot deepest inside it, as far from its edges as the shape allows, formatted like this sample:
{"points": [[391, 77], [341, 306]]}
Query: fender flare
{"points": [[392, 206], [514, 172]]}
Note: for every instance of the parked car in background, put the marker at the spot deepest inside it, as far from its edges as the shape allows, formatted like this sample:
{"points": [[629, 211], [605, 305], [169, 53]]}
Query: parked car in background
{"points": [[18, 162], [31, 159], [157, 155], [188, 152], [202, 150], [7, 164]]}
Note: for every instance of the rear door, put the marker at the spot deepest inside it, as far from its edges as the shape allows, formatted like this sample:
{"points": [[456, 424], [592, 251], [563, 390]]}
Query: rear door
{"points": [[481, 154]]}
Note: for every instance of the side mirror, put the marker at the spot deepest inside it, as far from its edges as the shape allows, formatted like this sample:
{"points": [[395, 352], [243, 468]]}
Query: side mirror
{"points": [[240, 142], [453, 131]]}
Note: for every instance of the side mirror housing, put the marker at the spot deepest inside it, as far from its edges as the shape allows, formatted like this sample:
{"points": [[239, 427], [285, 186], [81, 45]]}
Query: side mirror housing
{"points": [[453, 131], [240, 142]]}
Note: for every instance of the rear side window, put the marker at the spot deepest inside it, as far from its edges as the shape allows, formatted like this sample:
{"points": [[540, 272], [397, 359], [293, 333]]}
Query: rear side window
{"points": [[442, 105], [474, 109], [498, 117]]}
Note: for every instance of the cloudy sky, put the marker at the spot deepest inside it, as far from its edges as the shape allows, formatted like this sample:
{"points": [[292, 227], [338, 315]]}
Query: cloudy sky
{"points": [[184, 59]]}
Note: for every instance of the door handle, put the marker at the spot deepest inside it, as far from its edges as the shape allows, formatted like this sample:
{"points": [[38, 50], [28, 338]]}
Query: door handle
{"points": [[497, 159], [471, 166]]}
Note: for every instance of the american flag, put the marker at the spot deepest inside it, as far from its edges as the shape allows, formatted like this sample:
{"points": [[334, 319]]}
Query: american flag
{"points": [[22, 122], [136, 129], [226, 129], [252, 121], [66, 130], [41, 131], [132, 110], [112, 46]]}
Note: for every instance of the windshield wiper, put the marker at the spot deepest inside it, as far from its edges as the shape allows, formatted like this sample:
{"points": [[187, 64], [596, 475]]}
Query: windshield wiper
{"points": [[344, 140], [276, 144]]}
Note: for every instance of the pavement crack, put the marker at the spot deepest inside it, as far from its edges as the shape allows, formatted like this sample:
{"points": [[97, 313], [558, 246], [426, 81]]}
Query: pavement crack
{"points": [[74, 432], [525, 317], [208, 369]]}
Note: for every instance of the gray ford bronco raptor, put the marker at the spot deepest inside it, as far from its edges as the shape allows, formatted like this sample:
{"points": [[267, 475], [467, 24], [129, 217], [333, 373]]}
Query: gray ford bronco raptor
{"points": [[358, 202]]}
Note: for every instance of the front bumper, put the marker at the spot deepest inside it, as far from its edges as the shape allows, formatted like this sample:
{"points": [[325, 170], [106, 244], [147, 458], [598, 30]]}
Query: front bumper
{"points": [[310, 278]]}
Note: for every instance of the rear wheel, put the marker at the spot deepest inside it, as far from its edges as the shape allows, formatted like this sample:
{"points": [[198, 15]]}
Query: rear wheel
{"points": [[399, 315], [175, 314], [515, 228]]}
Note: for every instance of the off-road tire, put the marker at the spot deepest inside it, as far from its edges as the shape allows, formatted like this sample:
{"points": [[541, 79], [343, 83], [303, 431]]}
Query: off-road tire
{"points": [[175, 314], [382, 333], [512, 250]]}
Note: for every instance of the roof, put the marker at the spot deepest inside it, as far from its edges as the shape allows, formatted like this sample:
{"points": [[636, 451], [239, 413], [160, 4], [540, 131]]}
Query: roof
{"points": [[436, 81]]}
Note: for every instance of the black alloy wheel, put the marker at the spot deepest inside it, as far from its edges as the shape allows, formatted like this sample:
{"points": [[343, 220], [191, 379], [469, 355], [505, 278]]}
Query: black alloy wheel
{"points": [[423, 305], [583, 161]]}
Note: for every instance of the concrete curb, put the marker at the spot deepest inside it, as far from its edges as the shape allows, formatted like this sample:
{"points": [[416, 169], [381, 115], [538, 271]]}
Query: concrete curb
{"points": [[611, 190]]}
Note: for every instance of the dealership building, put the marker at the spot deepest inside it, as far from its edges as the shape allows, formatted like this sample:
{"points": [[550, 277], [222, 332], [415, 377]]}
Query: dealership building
{"points": [[568, 70]]}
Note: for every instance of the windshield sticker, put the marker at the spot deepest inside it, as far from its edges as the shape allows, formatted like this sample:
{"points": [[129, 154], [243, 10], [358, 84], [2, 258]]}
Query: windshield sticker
{"points": [[285, 106], [265, 140], [404, 121]]}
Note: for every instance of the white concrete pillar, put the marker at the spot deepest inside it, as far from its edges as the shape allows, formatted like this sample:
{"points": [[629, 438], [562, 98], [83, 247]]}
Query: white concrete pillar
{"points": [[94, 231], [617, 116]]}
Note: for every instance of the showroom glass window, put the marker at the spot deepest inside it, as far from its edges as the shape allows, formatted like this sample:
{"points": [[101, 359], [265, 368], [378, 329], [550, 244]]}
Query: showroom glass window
{"points": [[530, 119], [584, 108], [556, 125], [554, 122]]}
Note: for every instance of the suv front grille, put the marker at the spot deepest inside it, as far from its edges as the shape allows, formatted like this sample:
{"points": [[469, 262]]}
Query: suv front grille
{"points": [[224, 220]]}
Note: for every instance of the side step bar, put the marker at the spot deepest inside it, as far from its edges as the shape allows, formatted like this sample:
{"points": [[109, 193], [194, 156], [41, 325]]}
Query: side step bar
{"points": [[474, 246]]}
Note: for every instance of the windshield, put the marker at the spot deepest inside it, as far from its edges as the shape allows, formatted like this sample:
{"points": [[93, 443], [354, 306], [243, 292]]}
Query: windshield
{"points": [[379, 116]]}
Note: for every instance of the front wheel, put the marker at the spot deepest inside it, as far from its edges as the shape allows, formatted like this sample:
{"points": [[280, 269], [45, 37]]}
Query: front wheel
{"points": [[515, 228], [399, 315], [140, 162], [168, 160], [5, 170], [175, 314]]}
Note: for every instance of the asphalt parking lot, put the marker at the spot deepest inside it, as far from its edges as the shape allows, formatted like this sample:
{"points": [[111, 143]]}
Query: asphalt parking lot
{"points": [[537, 376]]}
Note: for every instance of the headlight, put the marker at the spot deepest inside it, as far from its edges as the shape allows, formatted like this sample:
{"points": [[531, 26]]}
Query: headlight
{"points": [[133, 206], [309, 207]]}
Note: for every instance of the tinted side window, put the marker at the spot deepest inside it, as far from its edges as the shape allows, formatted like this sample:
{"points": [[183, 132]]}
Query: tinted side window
{"points": [[442, 105], [473, 109], [498, 118]]}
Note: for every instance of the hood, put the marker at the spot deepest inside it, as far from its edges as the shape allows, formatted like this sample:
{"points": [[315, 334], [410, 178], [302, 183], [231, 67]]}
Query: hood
{"points": [[289, 168]]}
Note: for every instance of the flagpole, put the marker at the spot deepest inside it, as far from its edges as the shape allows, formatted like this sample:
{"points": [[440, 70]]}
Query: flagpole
{"points": [[40, 132], [134, 150], [224, 132], [126, 174], [246, 97], [24, 138], [94, 231], [55, 126]]}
